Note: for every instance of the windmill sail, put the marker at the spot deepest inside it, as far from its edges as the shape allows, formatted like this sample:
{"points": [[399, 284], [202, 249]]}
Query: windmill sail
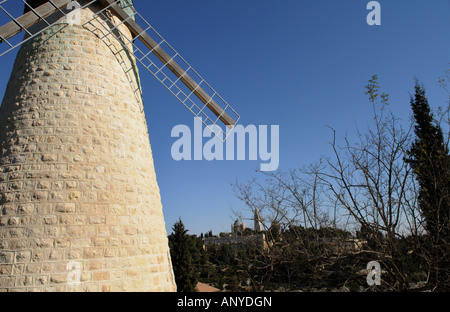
{"points": [[30, 18], [150, 49], [10, 9]]}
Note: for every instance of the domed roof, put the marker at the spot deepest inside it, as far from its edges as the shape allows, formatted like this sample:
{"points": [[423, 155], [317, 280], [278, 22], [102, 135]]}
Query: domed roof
{"points": [[238, 222]]}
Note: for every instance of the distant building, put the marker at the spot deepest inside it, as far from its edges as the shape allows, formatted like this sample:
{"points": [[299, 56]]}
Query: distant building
{"points": [[238, 227], [257, 222], [354, 244], [236, 239], [345, 245], [236, 242]]}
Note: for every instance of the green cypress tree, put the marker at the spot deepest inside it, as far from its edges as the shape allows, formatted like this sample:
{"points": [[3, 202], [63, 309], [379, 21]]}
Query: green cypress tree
{"points": [[183, 269], [429, 158]]}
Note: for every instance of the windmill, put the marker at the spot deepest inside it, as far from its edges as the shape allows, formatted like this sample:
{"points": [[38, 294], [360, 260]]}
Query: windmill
{"points": [[80, 205]]}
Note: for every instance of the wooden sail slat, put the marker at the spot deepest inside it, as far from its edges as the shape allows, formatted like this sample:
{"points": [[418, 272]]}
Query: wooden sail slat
{"points": [[164, 57], [30, 18]]}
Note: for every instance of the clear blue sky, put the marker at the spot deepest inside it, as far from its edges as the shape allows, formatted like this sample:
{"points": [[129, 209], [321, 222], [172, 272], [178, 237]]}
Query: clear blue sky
{"points": [[294, 63]]}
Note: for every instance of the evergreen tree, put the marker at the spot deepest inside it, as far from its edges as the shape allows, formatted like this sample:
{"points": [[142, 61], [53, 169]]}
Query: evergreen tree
{"points": [[430, 160], [180, 245]]}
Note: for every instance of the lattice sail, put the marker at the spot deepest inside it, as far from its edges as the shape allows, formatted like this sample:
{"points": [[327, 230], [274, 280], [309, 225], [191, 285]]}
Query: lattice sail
{"points": [[150, 49]]}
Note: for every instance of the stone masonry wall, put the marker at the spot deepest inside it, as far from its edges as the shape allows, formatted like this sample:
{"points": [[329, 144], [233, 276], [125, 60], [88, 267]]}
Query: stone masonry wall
{"points": [[80, 205]]}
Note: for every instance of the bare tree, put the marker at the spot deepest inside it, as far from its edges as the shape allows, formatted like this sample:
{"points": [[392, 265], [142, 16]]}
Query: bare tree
{"points": [[371, 181], [300, 228], [364, 187]]}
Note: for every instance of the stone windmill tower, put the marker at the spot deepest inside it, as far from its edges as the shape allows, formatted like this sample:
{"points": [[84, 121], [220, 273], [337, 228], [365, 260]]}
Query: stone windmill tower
{"points": [[79, 201]]}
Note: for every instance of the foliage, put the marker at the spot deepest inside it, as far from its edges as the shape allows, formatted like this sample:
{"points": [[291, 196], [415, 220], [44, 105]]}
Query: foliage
{"points": [[429, 157], [383, 197], [181, 246]]}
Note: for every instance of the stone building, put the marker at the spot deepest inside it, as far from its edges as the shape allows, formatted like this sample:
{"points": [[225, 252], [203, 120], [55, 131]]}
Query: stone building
{"points": [[257, 227], [79, 201], [237, 242], [238, 239], [238, 227]]}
